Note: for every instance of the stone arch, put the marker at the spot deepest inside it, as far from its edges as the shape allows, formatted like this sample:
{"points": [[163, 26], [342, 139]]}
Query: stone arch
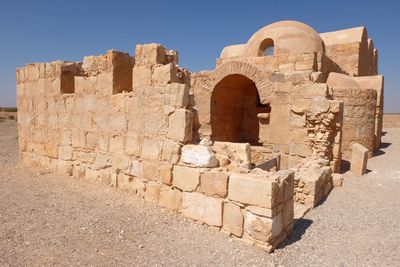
{"points": [[235, 103], [251, 71]]}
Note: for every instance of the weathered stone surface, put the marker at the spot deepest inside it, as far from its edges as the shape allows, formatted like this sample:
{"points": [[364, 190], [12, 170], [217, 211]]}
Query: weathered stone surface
{"points": [[134, 122], [250, 189], [152, 192], [238, 153], [337, 179], [180, 125], [171, 151], [165, 74], [201, 208], [157, 171], [133, 144], [214, 183], [193, 205], [177, 95], [233, 219], [135, 168], [359, 159], [200, 156], [258, 227], [213, 211], [170, 198], [150, 54], [141, 76], [186, 178]]}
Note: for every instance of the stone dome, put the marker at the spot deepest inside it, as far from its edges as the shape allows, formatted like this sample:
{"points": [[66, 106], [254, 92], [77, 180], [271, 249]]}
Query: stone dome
{"points": [[287, 37]]}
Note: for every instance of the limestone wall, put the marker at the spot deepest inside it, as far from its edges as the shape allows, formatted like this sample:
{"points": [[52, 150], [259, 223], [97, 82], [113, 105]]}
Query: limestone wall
{"points": [[190, 141], [352, 51], [358, 118], [291, 106], [127, 122], [377, 83]]}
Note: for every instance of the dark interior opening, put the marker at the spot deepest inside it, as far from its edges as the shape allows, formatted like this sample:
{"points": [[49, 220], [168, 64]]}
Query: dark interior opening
{"points": [[235, 104], [67, 82]]}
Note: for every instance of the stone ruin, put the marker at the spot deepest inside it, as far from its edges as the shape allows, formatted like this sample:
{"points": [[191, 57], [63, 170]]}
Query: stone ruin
{"points": [[239, 148]]}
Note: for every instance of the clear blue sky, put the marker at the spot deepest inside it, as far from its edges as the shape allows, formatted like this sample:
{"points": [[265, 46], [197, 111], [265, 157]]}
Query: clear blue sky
{"points": [[44, 30]]}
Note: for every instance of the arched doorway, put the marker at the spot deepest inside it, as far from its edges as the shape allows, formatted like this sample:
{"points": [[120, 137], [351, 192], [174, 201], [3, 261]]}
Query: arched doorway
{"points": [[235, 104]]}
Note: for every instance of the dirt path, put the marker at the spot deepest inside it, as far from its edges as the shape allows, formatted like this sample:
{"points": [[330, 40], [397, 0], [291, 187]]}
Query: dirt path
{"points": [[48, 220]]}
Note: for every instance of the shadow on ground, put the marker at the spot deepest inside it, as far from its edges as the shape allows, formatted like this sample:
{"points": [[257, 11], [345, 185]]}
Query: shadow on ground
{"points": [[379, 151], [300, 227]]}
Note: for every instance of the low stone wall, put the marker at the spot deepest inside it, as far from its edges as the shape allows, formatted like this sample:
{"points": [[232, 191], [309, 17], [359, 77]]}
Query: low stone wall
{"points": [[358, 118], [312, 183]]}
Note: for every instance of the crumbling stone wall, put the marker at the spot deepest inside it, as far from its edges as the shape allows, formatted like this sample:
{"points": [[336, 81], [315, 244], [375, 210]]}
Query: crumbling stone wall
{"points": [[132, 137], [195, 143]]}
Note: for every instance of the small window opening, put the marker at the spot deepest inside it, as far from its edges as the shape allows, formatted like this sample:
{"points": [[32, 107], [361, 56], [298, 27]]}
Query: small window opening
{"points": [[269, 51], [267, 48]]}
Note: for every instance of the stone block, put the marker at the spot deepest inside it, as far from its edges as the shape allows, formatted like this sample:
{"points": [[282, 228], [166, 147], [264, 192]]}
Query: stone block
{"points": [[138, 186], [359, 159], [171, 151], [133, 144], [312, 90], [165, 74], [157, 171], [177, 95], [236, 152], [151, 148], [170, 198], [288, 214], [123, 181], [186, 178], [193, 205], [250, 189], [337, 179], [65, 153], [199, 156], [263, 212], [102, 161], [152, 192], [141, 76], [214, 183], [150, 54], [297, 120], [117, 122], [92, 139], [201, 208], [233, 219], [213, 211], [89, 102], [116, 144], [258, 227], [135, 168], [180, 125], [165, 169]]}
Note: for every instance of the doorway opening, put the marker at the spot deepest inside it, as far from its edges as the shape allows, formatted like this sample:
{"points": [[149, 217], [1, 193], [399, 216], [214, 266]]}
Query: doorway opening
{"points": [[235, 103]]}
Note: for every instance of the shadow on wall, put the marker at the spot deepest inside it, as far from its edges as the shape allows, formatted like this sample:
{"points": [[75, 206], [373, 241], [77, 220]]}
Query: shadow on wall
{"points": [[300, 227], [344, 166]]}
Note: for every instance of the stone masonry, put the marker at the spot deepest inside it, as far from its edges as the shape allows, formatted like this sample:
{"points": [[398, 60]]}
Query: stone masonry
{"points": [[194, 142]]}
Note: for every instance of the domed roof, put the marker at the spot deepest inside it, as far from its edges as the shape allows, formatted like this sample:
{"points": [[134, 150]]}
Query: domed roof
{"points": [[288, 37]]}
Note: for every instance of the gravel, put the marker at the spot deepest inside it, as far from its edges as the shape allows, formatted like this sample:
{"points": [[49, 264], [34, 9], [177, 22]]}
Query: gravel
{"points": [[53, 220]]}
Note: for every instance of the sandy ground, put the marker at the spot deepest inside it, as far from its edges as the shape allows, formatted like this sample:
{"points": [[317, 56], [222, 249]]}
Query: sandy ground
{"points": [[50, 220]]}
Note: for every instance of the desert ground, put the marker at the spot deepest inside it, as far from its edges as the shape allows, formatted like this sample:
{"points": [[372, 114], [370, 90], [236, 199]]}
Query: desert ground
{"points": [[50, 220]]}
